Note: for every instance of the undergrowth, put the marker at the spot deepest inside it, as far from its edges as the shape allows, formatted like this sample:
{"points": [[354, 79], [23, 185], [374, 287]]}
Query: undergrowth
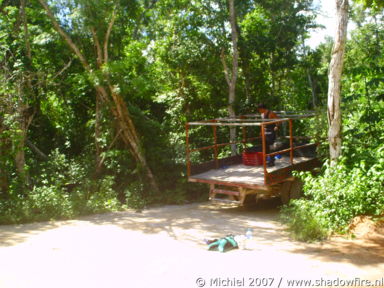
{"points": [[333, 199], [64, 188]]}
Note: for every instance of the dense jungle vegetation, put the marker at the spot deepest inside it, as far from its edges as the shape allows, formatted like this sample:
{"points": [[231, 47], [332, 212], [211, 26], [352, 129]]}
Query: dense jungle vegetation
{"points": [[94, 96]]}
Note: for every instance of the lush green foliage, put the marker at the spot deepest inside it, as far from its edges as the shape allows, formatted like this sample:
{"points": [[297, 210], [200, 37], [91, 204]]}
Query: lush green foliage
{"points": [[61, 150], [355, 186], [62, 190], [335, 198]]}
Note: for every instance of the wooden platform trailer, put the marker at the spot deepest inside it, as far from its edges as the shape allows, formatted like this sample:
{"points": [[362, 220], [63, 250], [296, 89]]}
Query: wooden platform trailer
{"points": [[232, 181]]}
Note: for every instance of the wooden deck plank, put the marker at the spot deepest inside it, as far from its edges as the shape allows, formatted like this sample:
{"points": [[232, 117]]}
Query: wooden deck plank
{"points": [[242, 174]]}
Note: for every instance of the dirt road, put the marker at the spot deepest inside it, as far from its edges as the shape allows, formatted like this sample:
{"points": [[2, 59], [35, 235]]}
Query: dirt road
{"points": [[163, 247]]}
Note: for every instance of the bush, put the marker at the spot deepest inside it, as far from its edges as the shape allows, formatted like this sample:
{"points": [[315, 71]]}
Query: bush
{"points": [[134, 196], [303, 222], [46, 203], [12, 211], [334, 198], [62, 190], [95, 196], [353, 187]]}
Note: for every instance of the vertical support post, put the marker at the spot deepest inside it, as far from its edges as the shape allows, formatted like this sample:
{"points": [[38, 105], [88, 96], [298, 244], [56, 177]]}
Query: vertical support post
{"points": [[215, 145], [291, 140], [244, 132], [264, 144], [244, 135], [187, 150], [212, 191]]}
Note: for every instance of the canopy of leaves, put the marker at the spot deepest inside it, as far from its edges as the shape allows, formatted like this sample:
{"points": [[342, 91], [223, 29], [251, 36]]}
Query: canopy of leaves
{"points": [[163, 58]]}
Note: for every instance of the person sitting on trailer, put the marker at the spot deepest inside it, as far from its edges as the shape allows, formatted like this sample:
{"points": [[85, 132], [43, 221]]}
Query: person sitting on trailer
{"points": [[270, 130]]}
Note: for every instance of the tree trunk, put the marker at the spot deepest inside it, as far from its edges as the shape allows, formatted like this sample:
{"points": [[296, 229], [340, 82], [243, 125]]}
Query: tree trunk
{"points": [[312, 83], [231, 80], [334, 81], [130, 136], [98, 148], [21, 137], [98, 102], [24, 91], [25, 118], [4, 147]]}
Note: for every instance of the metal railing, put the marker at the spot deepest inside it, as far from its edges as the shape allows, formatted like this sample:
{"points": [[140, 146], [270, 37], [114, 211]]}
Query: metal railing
{"points": [[243, 122]]}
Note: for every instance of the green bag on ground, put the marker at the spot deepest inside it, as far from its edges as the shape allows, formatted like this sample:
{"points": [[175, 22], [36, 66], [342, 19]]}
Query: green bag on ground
{"points": [[223, 244]]}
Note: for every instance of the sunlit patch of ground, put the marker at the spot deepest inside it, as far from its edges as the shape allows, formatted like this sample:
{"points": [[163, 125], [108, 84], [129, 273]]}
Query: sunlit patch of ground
{"points": [[164, 247]]}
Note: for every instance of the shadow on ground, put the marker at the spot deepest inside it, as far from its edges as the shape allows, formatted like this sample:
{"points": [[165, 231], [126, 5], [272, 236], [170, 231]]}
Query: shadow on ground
{"points": [[192, 223]]}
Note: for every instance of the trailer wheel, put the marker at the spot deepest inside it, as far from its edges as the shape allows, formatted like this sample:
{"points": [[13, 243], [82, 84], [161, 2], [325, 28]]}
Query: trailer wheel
{"points": [[285, 192], [250, 200], [291, 189]]}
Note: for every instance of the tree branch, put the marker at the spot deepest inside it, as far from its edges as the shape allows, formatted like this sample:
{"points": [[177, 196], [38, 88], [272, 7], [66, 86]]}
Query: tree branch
{"points": [[62, 70], [109, 148], [234, 36], [36, 150], [26, 33], [99, 52], [226, 73], [108, 34], [66, 37]]}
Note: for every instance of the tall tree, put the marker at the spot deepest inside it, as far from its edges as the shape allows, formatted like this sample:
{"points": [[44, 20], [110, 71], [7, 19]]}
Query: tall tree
{"points": [[105, 90], [270, 38], [334, 81], [16, 81], [25, 92], [231, 76]]}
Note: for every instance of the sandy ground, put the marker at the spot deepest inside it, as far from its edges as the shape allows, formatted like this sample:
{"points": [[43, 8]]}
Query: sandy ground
{"points": [[164, 247]]}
